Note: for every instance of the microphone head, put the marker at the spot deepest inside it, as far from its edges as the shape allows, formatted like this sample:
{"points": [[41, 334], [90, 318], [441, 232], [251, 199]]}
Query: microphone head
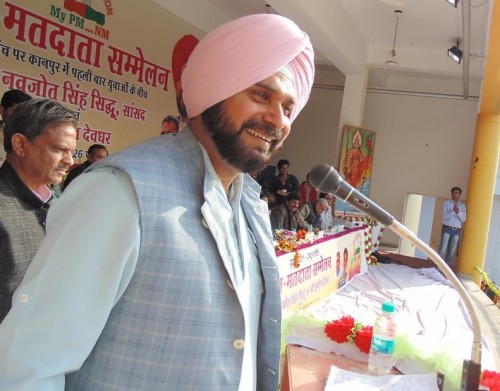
{"points": [[325, 178]]}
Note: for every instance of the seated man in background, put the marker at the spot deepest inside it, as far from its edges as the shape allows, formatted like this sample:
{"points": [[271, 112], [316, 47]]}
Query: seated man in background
{"points": [[170, 124], [327, 218], [95, 153], [311, 212], [287, 215], [39, 140]]}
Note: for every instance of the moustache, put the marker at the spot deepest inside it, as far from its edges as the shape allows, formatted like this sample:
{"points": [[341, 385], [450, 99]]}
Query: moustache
{"points": [[267, 129], [64, 167]]}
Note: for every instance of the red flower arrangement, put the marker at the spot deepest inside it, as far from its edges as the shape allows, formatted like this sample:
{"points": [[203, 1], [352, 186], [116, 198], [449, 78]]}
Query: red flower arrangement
{"points": [[346, 329], [363, 338], [491, 379]]}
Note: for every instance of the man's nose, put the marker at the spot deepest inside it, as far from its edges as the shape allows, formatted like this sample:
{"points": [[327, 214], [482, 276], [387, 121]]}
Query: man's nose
{"points": [[275, 115]]}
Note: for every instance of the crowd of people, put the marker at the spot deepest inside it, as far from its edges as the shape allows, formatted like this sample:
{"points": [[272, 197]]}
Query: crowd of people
{"points": [[296, 207]]}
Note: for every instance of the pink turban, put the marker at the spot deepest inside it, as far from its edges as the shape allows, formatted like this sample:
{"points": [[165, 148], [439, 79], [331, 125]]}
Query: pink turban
{"points": [[245, 51]]}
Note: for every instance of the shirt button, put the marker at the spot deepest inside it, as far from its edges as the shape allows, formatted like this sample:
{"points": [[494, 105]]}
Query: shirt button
{"points": [[204, 222], [24, 298], [238, 344], [229, 284]]}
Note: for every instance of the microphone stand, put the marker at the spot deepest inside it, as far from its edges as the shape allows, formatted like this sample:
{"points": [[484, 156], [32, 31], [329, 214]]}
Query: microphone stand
{"points": [[326, 179], [471, 371]]}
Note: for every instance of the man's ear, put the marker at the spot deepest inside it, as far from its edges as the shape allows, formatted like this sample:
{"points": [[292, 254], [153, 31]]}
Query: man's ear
{"points": [[2, 112], [19, 142]]}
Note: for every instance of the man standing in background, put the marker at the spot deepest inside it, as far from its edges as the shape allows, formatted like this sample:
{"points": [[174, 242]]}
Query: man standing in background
{"points": [[170, 124], [454, 215], [95, 153], [8, 104], [39, 139]]}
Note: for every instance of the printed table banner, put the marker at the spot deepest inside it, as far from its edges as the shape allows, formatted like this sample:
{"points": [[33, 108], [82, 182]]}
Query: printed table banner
{"points": [[324, 266]]}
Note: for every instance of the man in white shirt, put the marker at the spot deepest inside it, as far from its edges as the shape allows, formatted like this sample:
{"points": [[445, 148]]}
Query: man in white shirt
{"points": [[454, 215]]}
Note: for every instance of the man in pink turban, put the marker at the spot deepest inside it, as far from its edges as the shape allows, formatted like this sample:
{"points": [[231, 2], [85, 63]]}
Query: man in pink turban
{"points": [[177, 287]]}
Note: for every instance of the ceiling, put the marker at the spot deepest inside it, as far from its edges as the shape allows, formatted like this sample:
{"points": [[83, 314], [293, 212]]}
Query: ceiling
{"points": [[357, 36]]}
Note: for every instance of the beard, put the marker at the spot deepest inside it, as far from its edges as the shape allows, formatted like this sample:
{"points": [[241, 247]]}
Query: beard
{"points": [[229, 144]]}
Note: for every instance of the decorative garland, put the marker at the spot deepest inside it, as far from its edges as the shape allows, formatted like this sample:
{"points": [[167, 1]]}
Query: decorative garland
{"points": [[370, 245], [346, 329], [287, 240], [491, 379], [489, 287]]}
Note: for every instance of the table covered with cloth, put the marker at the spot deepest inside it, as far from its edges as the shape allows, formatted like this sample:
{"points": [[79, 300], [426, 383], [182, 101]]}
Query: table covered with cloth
{"points": [[434, 330]]}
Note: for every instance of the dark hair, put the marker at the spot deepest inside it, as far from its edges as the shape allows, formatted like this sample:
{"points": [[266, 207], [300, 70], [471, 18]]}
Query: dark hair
{"points": [[281, 162], [170, 118], [456, 188], [93, 147], [12, 97], [31, 118], [293, 196]]}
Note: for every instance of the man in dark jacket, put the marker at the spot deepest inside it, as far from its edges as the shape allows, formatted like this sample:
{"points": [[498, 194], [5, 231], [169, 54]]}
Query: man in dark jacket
{"points": [[96, 152], [39, 140]]}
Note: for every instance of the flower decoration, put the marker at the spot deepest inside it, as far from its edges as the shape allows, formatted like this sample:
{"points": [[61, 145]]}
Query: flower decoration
{"points": [[341, 329], [301, 234], [346, 329], [372, 260], [370, 244], [491, 379], [363, 338]]}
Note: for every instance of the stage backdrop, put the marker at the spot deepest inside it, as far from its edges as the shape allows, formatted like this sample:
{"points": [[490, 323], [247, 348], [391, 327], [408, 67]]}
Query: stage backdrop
{"points": [[356, 161], [108, 60]]}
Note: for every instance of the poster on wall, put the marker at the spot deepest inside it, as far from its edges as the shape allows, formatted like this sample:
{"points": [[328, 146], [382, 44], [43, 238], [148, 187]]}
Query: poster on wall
{"points": [[356, 161], [83, 55]]}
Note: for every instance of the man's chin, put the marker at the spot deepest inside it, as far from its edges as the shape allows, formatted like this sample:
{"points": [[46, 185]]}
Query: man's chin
{"points": [[56, 179]]}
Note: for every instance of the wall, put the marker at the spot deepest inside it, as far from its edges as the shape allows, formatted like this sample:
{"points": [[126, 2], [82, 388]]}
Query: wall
{"points": [[423, 146], [49, 50]]}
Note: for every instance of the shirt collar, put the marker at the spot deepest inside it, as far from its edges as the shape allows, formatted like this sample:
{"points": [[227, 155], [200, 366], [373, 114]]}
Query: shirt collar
{"points": [[43, 193], [235, 189]]}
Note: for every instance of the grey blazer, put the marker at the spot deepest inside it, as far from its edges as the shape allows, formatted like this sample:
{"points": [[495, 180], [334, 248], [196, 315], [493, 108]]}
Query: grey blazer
{"points": [[176, 324]]}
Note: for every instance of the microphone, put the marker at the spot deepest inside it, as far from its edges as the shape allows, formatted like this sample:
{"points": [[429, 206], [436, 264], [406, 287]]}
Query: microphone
{"points": [[327, 180]]}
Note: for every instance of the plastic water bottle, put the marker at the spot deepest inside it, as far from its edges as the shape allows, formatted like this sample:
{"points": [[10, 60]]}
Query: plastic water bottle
{"points": [[380, 360]]}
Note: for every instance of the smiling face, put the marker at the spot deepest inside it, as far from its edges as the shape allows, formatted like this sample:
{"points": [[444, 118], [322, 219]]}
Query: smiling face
{"points": [[283, 170], [46, 159], [251, 126], [292, 205]]}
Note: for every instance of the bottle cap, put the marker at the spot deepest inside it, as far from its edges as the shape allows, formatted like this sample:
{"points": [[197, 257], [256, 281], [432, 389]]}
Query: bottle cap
{"points": [[387, 306]]}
